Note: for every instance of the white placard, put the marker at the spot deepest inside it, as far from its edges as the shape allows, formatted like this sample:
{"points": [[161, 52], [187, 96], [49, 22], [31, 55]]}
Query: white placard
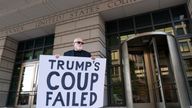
{"points": [[70, 82]]}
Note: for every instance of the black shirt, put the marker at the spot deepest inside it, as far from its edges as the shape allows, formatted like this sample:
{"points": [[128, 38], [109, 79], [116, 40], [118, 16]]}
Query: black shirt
{"points": [[81, 53]]}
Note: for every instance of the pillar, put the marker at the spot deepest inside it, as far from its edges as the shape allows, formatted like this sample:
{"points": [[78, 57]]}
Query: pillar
{"points": [[90, 28], [8, 49]]}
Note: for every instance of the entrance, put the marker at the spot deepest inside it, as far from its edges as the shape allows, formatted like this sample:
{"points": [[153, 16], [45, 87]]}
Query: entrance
{"points": [[150, 72], [26, 97]]}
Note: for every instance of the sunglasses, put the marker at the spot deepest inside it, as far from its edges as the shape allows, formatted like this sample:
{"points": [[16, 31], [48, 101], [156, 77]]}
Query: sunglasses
{"points": [[79, 42]]}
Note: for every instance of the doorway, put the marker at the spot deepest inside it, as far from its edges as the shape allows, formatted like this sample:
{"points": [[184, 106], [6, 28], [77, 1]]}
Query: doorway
{"points": [[26, 97], [150, 73]]}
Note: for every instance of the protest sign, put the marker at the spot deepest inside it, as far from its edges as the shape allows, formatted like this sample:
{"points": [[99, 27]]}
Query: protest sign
{"points": [[70, 82]]}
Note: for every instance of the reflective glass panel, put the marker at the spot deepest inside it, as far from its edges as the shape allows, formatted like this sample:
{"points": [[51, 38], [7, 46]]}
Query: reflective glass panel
{"points": [[115, 57], [143, 20], [113, 40], [138, 78], [117, 97], [28, 55], [37, 53], [149, 29], [179, 13], [49, 40], [39, 42], [26, 85], [161, 17], [183, 28], [165, 28], [29, 44], [111, 27], [48, 51], [184, 47], [124, 36], [126, 24]]}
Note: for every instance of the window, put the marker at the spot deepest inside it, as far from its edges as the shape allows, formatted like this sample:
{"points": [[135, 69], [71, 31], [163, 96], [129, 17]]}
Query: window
{"points": [[111, 27], [179, 13], [184, 47], [115, 57], [142, 20], [165, 28], [161, 17], [117, 90], [39, 42], [126, 35], [113, 40], [188, 68], [126, 24], [33, 48], [183, 28], [144, 30]]}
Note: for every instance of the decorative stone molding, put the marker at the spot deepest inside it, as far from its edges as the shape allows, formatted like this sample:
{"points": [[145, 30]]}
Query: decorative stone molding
{"points": [[85, 10]]}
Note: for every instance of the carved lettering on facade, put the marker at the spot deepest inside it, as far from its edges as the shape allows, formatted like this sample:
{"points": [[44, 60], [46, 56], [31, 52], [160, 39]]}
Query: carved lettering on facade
{"points": [[67, 15], [49, 20], [85, 11], [118, 3], [14, 30]]}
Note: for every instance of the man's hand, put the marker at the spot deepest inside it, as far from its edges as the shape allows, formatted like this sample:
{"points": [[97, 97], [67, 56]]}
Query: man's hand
{"points": [[57, 55], [93, 58]]}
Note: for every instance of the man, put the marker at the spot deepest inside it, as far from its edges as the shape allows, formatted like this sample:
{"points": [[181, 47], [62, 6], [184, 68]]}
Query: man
{"points": [[78, 49]]}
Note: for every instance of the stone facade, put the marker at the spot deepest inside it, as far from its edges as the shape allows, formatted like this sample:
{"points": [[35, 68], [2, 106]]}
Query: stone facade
{"points": [[8, 49], [90, 29], [189, 3]]}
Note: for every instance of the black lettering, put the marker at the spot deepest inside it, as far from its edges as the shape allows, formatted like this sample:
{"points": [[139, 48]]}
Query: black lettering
{"points": [[94, 78], [59, 98], [74, 98], [68, 98], [93, 98], [79, 81], [48, 97], [88, 64], [69, 67], [52, 61], [49, 80], [72, 80], [97, 66], [60, 64], [79, 65], [83, 98]]}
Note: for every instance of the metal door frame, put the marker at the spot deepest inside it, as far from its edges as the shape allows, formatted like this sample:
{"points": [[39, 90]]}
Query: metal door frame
{"points": [[32, 94], [176, 64]]}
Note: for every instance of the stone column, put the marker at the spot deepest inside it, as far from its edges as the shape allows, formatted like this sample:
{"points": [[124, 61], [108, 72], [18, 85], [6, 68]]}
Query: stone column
{"points": [[189, 5], [90, 28], [8, 49]]}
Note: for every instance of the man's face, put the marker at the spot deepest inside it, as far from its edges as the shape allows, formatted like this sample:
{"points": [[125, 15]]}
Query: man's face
{"points": [[78, 44]]}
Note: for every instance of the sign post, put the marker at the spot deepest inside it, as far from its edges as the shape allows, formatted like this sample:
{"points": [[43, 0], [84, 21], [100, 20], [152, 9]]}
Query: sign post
{"points": [[70, 82]]}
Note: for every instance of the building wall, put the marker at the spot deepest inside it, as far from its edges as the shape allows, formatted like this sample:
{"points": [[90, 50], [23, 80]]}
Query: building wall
{"points": [[189, 3], [91, 29], [8, 49]]}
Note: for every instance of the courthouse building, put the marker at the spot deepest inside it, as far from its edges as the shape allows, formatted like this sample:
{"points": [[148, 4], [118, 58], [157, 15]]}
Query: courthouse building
{"points": [[147, 43]]}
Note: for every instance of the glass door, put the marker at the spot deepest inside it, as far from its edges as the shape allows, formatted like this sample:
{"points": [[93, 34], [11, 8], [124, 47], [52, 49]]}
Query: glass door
{"points": [[163, 82], [28, 85], [151, 75]]}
